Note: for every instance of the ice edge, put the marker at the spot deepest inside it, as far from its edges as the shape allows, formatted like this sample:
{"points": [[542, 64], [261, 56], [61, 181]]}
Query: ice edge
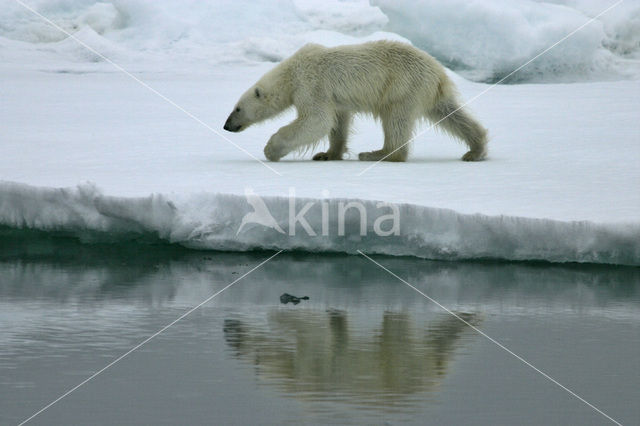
{"points": [[211, 222]]}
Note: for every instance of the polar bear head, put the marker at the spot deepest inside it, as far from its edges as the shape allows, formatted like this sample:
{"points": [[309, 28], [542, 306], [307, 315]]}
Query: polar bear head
{"points": [[255, 105]]}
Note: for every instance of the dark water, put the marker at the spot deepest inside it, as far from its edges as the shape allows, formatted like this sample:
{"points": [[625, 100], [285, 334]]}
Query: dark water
{"points": [[365, 348]]}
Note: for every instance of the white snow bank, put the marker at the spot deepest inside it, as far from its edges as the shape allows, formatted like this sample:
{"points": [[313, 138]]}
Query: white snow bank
{"points": [[191, 31], [213, 221], [487, 40], [483, 40]]}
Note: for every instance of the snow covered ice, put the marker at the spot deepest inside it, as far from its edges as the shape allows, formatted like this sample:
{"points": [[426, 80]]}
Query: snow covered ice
{"points": [[88, 151], [487, 40]]}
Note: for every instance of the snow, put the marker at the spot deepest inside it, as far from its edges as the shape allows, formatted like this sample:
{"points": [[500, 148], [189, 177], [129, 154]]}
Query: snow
{"points": [[87, 150], [483, 40], [486, 40], [193, 31]]}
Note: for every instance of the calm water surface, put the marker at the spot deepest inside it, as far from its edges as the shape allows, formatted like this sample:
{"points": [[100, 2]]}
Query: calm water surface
{"points": [[365, 348]]}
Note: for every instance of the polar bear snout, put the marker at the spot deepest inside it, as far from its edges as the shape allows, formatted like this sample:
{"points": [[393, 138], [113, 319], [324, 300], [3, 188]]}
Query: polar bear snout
{"points": [[232, 125]]}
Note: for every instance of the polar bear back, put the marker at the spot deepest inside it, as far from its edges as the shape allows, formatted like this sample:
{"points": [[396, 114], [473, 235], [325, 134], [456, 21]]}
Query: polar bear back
{"points": [[366, 78]]}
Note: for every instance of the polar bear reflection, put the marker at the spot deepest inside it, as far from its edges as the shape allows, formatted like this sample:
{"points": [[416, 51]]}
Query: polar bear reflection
{"points": [[318, 356]]}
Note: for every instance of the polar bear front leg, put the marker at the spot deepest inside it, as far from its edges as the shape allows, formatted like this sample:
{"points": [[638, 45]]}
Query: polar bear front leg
{"points": [[276, 148], [337, 139], [304, 130]]}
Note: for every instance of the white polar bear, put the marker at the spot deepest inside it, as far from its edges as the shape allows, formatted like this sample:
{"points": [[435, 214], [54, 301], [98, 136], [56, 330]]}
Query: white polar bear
{"points": [[393, 81]]}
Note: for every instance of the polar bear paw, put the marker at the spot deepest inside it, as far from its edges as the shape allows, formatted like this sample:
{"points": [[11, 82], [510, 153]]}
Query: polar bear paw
{"points": [[371, 155], [382, 155], [274, 151], [326, 156], [474, 156]]}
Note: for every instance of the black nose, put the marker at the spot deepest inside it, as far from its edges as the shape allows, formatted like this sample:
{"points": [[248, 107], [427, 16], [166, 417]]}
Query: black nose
{"points": [[227, 125], [229, 128]]}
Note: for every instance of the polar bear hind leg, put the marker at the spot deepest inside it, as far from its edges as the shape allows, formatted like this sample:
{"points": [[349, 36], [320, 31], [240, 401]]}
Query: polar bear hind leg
{"points": [[398, 123], [459, 123]]}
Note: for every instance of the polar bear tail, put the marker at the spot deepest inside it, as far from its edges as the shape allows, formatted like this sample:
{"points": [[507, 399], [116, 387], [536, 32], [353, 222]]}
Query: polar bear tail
{"points": [[450, 116]]}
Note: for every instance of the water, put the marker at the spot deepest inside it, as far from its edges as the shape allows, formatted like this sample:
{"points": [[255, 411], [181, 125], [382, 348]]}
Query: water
{"points": [[365, 348]]}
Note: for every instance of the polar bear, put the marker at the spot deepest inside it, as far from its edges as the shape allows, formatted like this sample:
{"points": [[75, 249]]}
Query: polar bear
{"points": [[394, 81]]}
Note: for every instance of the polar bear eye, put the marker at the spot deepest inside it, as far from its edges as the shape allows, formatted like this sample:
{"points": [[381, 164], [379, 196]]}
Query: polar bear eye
{"points": [[238, 109], [257, 92]]}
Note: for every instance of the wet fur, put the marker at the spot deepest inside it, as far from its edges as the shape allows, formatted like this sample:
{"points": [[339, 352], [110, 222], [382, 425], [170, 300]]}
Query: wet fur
{"points": [[395, 82]]}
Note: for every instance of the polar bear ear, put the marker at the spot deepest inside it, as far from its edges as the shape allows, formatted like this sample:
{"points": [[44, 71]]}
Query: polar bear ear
{"points": [[258, 92]]}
